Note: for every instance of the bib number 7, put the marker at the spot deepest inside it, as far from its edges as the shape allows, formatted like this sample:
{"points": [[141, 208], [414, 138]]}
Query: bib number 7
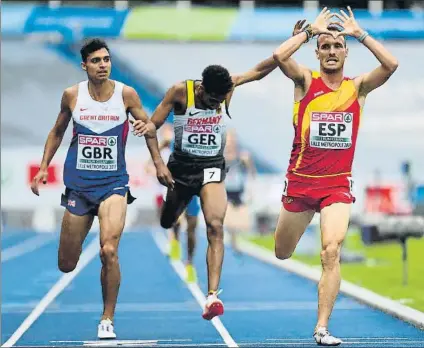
{"points": [[211, 175]]}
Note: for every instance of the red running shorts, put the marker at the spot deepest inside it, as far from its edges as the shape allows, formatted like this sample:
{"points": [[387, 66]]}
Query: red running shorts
{"points": [[305, 193]]}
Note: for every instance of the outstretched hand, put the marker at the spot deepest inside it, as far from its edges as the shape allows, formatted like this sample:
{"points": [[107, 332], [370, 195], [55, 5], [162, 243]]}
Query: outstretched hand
{"points": [[348, 23], [142, 128], [298, 27], [320, 26], [164, 176], [41, 176]]}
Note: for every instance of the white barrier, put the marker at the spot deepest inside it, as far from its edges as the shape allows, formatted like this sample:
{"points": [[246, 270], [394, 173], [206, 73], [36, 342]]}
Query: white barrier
{"points": [[19, 165], [263, 193]]}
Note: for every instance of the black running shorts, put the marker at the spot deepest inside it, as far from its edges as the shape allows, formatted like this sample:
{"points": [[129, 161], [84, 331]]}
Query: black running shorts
{"points": [[194, 173]]}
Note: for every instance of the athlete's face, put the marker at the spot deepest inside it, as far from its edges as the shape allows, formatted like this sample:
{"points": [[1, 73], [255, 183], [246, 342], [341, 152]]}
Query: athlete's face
{"points": [[98, 65], [211, 101], [331, 52]]}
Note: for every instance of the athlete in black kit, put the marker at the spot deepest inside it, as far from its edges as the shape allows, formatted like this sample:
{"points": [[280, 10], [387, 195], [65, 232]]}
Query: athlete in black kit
{"points": [[197, 163]]}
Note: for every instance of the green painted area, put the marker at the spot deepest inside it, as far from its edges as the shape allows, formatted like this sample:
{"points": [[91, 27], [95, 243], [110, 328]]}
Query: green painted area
{"points": [[382, 270], [166, 23]]}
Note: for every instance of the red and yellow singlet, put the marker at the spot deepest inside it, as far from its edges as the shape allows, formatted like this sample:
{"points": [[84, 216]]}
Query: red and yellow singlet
{"points": [[326, 126]]}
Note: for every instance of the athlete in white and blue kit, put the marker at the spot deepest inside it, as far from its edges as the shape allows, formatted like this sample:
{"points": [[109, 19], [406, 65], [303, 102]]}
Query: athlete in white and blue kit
{"points": [[95, 172]]}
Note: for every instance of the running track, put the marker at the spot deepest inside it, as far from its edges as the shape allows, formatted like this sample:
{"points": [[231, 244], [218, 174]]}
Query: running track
{"points": [[265, 305]]}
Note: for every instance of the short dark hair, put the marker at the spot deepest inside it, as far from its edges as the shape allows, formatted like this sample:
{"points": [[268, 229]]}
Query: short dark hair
{"points": [[333, 27], [91, 46], [216, 80]]}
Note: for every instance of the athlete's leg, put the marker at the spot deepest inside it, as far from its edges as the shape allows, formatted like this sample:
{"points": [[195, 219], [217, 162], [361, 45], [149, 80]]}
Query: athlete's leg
{"points": [[237, 217], [191, 274], [176, 201], [112, 213], [231, 224], [191, 214], [191, 237], [73, 233], [214, 205], [334, 224], [174, 240], [290, 227], [174, 232]]}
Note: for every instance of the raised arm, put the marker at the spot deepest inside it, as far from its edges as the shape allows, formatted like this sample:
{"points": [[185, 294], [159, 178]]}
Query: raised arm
{"points": [[374, 79], [134, 107], [299, 74], [262, 69], [55, 137], [258, 72]]}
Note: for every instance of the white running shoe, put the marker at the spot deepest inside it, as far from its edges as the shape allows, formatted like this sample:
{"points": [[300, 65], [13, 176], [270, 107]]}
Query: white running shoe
{"points": [[105, 329], [324, 338]]}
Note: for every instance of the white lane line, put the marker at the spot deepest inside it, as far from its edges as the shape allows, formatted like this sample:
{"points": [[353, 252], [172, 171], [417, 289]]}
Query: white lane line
{"points": [[88, 254], [195, 290], [345, 338], [26, 246]]}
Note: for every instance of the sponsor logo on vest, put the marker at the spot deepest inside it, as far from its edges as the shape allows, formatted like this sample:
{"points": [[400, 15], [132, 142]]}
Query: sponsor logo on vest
{"points": [[327, 116], [206, 120]]}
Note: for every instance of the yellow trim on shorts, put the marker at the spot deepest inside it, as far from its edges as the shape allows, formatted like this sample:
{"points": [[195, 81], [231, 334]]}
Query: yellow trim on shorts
{"points": [[190, 93], [322, 176]]}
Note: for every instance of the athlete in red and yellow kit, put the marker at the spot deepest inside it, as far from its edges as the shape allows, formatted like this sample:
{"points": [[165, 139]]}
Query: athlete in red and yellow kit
{"points": [[327, 114]]}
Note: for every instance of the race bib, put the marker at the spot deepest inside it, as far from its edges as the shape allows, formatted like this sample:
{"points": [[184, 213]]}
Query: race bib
{"points": [[211, 175], [97, 152], [331, 130], [202, 139]]}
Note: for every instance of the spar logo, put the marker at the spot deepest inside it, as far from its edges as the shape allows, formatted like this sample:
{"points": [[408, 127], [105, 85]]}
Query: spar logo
{"points": [[198, 129], [97, 147], [334, 117], [95, 141]]}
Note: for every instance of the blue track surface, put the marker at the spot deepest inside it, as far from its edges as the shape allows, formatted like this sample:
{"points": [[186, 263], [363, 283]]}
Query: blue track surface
{"points": [[264, 305]]}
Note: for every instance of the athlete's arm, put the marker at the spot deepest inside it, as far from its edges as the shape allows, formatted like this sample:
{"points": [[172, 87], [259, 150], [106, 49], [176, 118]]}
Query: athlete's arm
{"points": [[149, 168], [299, 74], [55, 137], [172, 96], [134, 107], [374, 79], [263, 68], [258, 72]]}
